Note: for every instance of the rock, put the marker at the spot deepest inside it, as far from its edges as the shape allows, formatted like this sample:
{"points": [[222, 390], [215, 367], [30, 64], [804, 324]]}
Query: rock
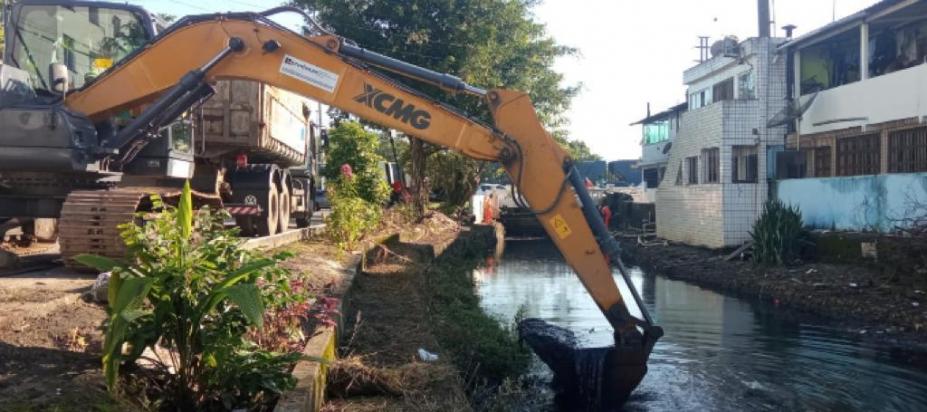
{"points": [[99, 292]]}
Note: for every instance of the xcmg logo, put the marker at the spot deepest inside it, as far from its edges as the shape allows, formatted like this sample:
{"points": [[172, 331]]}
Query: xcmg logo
{"points": [[391, 106]]}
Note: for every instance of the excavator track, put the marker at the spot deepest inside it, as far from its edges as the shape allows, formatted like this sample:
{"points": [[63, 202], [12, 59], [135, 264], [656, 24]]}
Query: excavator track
{"points": [[90, 219], [89, 223]]}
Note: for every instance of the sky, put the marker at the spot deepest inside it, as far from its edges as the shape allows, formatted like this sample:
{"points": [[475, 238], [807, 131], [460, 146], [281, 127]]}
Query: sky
{"points": [[631, 52]]}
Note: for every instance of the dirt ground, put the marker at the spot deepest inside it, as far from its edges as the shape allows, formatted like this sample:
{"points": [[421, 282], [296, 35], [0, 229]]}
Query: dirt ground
{"points": [[51, 340], [867, 301], [52, 362]]}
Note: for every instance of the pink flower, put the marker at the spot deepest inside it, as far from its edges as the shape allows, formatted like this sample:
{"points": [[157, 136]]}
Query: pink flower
{"points": [[346, 171]]}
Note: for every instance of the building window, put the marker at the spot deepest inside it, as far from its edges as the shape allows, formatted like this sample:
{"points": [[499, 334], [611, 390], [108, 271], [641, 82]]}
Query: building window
{"points": [[656, 132], [712, 164], [859, 155], [692, 170], [70, 58], [723, 90], [652, 177], [821, 161], [831, 63], [897, 47], [907, 151], [744, 164], [700, 98], [746, 86]]}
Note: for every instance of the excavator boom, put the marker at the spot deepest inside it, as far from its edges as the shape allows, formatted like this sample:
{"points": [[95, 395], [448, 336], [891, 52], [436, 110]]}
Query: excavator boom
{"points": [[181, 62]]}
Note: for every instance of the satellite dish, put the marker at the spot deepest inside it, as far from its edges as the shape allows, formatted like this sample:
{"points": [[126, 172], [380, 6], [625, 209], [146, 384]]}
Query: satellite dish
{"points": [[791, 111], [667, 147]]}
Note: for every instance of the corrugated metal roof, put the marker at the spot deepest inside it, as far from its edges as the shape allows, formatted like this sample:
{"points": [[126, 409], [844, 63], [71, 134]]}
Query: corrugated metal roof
{"points": [[662, 115]]}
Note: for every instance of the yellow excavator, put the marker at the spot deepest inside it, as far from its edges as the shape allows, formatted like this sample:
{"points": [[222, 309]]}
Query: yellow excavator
{"points": [[153, 82]]}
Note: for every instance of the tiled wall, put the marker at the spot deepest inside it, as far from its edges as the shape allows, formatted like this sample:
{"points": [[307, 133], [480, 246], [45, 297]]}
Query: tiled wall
{"points": [[718, 215]]}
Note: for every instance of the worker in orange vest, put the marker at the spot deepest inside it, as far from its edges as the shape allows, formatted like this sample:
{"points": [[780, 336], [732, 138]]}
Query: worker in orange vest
{"points": [[606, 213], [488, 208]]}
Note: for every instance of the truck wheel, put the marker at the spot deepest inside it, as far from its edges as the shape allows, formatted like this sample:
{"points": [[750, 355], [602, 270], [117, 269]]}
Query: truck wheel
{"points": [[284, 212], [245, 226], [267, 224]]}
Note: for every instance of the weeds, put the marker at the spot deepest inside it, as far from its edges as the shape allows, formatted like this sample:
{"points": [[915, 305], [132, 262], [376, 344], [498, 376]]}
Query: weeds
{"points": [[488, 352], [778, 235]]}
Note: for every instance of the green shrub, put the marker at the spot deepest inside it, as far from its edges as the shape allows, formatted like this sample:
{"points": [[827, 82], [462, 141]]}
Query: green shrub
{"points": [[351, 144], [188, 287], [483, 348], [352, 217], [778, 235]]}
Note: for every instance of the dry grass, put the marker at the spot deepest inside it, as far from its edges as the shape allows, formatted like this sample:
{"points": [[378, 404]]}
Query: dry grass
{"points": [[388, 322]]}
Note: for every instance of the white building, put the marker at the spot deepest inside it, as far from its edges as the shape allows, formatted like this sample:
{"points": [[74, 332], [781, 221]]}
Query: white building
{"points": [[715, 183], [858, 141], [657, 134]]}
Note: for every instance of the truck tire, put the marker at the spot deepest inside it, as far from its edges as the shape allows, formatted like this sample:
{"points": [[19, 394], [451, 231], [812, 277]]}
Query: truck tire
{"points": [[283, 214], [245, 225], [270, 202]]}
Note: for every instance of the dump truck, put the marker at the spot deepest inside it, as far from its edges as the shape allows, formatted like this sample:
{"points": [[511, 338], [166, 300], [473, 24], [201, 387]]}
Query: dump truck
{"points": [[267, 133]]}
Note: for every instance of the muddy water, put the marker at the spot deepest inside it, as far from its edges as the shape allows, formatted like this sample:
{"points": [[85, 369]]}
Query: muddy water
{"points": [[719, 352]]}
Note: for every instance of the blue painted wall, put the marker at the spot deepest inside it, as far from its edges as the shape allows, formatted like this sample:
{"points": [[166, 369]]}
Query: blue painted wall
{"points": [[871, 203]]}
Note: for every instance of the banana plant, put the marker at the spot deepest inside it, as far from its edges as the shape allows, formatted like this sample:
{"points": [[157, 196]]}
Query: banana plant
{"points": [[186, 286]]}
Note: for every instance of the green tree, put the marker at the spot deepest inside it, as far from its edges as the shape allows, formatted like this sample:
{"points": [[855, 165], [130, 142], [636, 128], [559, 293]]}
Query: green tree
{"points": [[2, 34], [577, 149], [490, 43], [349, 143]]}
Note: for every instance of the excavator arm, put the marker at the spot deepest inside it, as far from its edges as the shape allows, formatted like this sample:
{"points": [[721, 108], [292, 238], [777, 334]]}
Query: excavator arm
{"points": [[174, 70]]}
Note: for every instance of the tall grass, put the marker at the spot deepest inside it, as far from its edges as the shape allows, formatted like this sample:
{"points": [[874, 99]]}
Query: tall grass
{"points": [[778, 235]]}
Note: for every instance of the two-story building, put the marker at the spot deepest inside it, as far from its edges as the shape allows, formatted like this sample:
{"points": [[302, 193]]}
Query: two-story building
{"points": [[715, 183], [657, 134], [858, 138]]}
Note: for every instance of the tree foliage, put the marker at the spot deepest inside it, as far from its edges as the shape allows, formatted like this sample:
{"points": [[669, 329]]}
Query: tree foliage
{"points": [[2, 33], [489, 43], [352, 217], [351, 144], [577, 149]]}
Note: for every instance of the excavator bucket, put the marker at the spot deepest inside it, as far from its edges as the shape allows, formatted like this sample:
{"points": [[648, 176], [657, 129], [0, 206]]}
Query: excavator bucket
{"points": [[591, 379]]}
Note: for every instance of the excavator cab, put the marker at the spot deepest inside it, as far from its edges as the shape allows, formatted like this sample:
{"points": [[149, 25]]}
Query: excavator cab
{"points": [[53, 48], [87, 38]]}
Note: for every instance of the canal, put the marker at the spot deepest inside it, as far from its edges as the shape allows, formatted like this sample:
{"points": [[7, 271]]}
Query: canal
{"points": [[719, 353]]}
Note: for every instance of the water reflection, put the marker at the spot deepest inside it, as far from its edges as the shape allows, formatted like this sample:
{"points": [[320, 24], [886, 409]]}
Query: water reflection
{"points": [[719, 353]]}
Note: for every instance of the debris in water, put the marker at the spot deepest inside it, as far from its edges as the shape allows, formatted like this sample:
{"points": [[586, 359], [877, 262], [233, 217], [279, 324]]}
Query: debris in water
{"points": [[426, 356]]}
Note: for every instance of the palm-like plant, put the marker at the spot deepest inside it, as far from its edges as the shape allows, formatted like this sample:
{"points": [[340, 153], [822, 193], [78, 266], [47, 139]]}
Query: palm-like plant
{"points": [[188, 287]]}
